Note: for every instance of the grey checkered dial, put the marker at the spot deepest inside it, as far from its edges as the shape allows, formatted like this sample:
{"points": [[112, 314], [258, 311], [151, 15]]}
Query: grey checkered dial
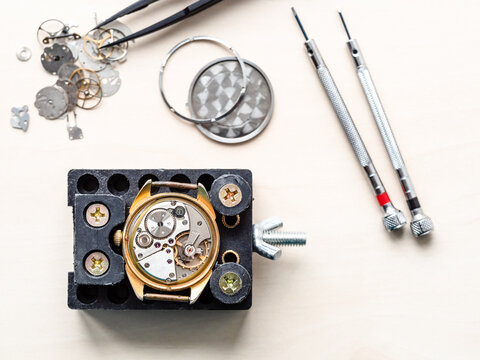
{"points": [[215, 89]]}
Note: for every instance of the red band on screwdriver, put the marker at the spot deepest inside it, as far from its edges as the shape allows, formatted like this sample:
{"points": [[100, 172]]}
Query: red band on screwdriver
{"points": [[383, 199]]}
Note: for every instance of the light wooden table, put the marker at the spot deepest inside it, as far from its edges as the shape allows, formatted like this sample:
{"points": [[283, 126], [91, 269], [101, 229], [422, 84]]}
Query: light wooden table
{"points": [[355, 292]]}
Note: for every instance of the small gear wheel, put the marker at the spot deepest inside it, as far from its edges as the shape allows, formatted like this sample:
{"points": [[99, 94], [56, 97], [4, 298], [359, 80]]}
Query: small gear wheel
{"points": [[189, 257]]}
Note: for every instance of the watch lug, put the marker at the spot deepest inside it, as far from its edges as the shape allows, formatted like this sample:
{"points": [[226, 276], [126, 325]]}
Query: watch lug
{"points": [[136, 284], [197, 289], [144, 193], [202, 196]]}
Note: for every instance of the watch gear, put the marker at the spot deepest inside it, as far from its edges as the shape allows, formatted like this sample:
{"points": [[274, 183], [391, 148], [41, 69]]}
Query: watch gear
{"points": [[189, 256], [160, 223]]}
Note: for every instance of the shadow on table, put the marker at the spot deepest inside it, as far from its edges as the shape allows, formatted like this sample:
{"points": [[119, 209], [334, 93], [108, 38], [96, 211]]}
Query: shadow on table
{"points": [[159, 328]]}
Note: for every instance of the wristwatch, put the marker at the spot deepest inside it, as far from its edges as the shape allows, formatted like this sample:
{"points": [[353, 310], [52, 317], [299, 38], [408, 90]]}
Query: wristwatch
{"points": [[170, 242]]}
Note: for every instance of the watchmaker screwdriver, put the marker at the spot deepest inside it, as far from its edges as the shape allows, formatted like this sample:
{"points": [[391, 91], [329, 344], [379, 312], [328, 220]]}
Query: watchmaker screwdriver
{"points": [[421, 224], [394, 218]]}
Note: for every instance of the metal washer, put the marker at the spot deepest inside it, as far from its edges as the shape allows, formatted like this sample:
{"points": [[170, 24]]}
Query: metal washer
{"points": [[252, 114], [24, 53]]}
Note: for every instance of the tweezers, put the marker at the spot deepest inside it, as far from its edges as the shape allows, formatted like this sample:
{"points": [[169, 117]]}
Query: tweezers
{"points": [[187, 12]]}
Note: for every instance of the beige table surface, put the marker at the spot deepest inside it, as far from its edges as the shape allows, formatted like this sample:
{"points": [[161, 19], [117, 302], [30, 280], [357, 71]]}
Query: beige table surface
{"points": [[355, 292]]}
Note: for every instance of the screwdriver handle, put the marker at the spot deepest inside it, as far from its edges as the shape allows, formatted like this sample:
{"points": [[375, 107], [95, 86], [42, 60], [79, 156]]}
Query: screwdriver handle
{"points": [[421, 224], [376, 106], [338, 104], [394, 219]]}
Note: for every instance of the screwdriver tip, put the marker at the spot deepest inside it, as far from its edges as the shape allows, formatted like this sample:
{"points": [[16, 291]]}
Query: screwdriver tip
{"points": [[344, 24], [299, 23]]}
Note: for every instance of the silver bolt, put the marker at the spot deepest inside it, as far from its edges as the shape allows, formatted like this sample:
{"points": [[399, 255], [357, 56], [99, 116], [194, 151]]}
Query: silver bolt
{"points": [[97, 263], [282, 238], [230, 195], [264, 238], [97, 215]]}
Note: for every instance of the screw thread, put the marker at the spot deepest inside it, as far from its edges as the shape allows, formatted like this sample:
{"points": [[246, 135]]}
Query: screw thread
{"points": [[281, 238]]}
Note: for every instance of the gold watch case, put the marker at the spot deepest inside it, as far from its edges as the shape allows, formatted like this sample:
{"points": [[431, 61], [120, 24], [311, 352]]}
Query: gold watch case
{"points": [[156, 240]]}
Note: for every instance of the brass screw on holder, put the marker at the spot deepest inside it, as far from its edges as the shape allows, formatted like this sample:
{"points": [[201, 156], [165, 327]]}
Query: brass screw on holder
{"points": [[97, 215], [97, 263], [230, 195], [230, 283]]}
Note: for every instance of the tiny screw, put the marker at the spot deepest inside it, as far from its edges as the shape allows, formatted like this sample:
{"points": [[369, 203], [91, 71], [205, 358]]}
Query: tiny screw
{"points": [[230, 195], [97, 263], [230, 283], [179, 211], [97, 215]]}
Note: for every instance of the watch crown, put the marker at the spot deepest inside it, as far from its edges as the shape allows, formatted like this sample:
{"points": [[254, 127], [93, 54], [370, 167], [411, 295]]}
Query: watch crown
{"points": [[117, 238]]}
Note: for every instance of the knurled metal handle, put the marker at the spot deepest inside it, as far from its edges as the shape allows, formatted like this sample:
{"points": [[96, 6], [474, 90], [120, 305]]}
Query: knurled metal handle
{"points": [[380, 117], [343, 116]]}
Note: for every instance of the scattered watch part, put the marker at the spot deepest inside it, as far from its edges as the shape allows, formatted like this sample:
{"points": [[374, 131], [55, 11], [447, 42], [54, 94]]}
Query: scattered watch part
{"points": [[89, 93], [84, 73], [250, 117], [118, 25], [66, 71], [55, 31], [49, 29], [92, 43], [117, 52], [74, 132], [20, 118], [77, 86], [74, 47], [24, 53], [51, 102], [55, 56], [110, 80], [72, 92], [96, 39], [88, 62]]}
